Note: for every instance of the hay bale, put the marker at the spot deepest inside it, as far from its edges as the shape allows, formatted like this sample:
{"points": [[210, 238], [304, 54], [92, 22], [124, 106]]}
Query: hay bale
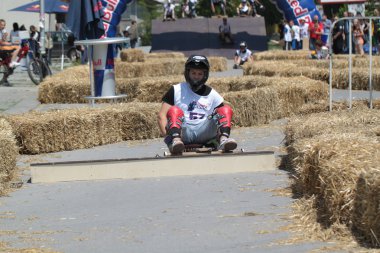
{"points": [[132, 55], [161, 55], [280, 55], [340, 76], [78, 72], [267, 103], [366, 210], [358, 120], [8, 155], [64, 90], [336, 158], [151, 89], [254, 107], [149, 69], [52, 131], [217, 64], [330, 172]]}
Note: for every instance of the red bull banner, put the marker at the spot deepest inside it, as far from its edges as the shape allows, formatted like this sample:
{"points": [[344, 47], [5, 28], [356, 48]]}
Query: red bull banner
{"points": [[113, 9], [297, 9], [103, 58]]}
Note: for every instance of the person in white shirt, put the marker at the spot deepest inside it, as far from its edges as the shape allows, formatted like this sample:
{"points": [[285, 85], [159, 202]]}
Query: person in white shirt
{"points": [[242, 55], [194, 113], [225, 32], [169, 13], [304, 31], [296, 36], [287, 36], [7, 46]]}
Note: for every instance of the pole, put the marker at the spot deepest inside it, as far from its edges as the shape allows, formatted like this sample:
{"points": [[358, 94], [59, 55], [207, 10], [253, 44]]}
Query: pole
{"points": [[350, 63], [370, 65], [42, 26]]}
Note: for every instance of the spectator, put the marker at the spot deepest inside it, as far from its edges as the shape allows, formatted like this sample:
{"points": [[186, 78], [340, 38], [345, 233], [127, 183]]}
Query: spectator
{"points": [[296, 37], [320, 52], [34, 40], [221, 4], [304, 32], [244, 9], [376, 33], [358, 37], [347, 34], [126, 35], [225, 32], [242, 55], [133, 34], [188, 9], [326, 29], [315, 31], [169, 13], [48, 46], [254, 4], [287, 36], [15, 32], [5, 45], [337, 39]]}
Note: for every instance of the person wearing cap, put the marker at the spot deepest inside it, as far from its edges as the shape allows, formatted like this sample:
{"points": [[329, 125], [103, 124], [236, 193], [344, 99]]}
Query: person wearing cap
{"points": [[225, 32], [169, 13], [221, 3], [315, 31], [133, 34], [254, 4], [194, 113], [8, 46], [242, 55], [296, 37], [304, 32], [337, 36], [287, 36], [244, 9]]}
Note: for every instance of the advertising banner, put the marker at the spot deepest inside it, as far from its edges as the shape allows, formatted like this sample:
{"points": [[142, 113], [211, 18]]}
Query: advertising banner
{"points": [[297, 9]]}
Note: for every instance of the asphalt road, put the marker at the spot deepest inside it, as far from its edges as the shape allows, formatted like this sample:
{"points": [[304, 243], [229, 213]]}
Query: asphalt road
{"points": [[241, 212]]}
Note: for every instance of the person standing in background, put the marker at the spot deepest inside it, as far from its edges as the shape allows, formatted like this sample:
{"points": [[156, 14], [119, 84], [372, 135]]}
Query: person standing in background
{"points": [[315, 31], [133, 34], [295, 31], [287, 36], [326, 28], [48, 46], [338, 41], [14, 33], [304, 33]]}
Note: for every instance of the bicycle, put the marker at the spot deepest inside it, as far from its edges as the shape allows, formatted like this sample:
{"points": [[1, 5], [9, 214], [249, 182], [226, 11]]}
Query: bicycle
{"points": [[38, 68], [5, 69]]}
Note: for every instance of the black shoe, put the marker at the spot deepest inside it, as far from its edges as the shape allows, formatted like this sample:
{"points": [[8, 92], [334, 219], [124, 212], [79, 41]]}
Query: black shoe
{"points": [[176, 147]]}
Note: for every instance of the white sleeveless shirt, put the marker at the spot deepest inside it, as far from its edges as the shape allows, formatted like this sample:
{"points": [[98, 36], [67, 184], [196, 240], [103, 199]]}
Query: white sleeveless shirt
{"points": [[195, 107]]}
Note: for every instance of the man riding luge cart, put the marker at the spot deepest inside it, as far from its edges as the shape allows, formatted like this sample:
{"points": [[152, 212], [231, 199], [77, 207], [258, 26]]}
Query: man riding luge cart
{"points": [[194, 113]]}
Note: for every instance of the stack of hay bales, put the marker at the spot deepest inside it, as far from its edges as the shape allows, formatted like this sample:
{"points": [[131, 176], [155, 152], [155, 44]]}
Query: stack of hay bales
{"points": [[132, 55], [57, 130], [295, 63], [336, 156], [8, 155]]}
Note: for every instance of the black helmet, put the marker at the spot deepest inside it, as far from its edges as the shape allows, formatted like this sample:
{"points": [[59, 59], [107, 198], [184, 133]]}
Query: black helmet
{"points": [[197, 62], [243, 46]]}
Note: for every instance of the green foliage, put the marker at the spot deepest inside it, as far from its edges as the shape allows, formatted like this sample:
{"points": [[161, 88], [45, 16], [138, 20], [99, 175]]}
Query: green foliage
{"points": [[147, 11], [370, 7]]}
